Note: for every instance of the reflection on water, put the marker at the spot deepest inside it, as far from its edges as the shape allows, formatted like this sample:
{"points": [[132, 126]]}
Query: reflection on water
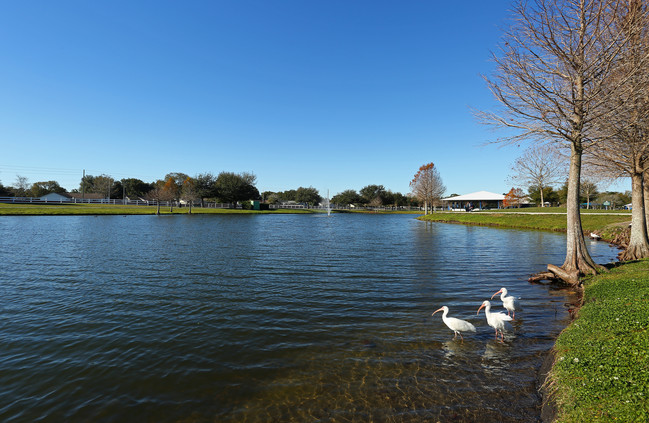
{"points": [[269, 318]]}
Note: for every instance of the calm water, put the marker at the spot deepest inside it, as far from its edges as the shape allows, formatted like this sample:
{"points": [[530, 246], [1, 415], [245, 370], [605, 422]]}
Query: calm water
{"points": [[269, 318]]}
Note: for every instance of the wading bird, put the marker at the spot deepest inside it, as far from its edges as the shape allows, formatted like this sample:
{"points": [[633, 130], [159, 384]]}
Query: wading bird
{"points": [[456, 325], [510, 303], [495, 320]]}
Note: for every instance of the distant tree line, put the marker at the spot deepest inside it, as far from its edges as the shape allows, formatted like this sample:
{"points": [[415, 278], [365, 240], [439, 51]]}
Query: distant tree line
{"points": [[302, 195], [226, 187], [368, 196], [22, 188], [589, 196], [374, 196], [229, 187]]}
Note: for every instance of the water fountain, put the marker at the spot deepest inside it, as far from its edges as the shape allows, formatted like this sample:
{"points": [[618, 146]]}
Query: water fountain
{"points": [[328, 203]]}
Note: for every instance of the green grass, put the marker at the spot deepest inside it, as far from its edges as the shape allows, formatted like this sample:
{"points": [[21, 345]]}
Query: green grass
{"points": [[607, 225], [110, 209], [601, 370], [552, 210], [364, 211]]}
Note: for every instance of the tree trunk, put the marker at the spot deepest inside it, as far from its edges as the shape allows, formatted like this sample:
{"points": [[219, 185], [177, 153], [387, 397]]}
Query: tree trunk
{"points": [[190, 207], [638, 247], [541, 190], [646, 197], [157, 212], [578, 260]]}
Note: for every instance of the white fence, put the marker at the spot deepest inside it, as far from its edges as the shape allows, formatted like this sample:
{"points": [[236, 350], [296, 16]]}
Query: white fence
{"points": [[345, 207], [36, 200]]}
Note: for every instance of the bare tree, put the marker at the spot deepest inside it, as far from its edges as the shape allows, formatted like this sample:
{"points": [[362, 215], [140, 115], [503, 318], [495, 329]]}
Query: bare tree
{"points": [[170, 191], [427, 185], [588, 189], [21, 186], [156, 194], [540, 166], [625, 148], [550, 74], [189, 192]]}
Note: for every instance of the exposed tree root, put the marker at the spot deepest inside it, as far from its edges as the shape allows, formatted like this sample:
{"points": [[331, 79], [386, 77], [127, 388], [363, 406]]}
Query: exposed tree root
{"points": [[559, 276], [569, 277], [634, 252], [543, 276]]}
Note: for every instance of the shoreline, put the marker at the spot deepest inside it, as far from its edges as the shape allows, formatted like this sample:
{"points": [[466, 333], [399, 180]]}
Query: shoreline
{"points": [[612, 228], [56, 209]]}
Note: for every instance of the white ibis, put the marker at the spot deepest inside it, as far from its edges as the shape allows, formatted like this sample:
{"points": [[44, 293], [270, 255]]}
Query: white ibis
{"points": [[495, 320], [456, 325], [510, 303]]}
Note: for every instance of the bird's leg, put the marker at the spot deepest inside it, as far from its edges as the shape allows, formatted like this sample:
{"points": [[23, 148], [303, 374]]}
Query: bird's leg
{"points": [[461, 336], [454, 335]]}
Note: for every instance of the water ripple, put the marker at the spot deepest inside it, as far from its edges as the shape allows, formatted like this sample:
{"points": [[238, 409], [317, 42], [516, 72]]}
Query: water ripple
{"points": [[268, 318]]}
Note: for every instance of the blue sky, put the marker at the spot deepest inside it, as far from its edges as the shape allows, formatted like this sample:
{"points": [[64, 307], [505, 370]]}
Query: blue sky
{"points": [[334, 94]]}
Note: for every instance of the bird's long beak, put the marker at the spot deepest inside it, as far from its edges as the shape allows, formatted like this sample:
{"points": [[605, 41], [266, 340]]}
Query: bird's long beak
{"points": [[438, 310], [480, 309], [492, 297]]}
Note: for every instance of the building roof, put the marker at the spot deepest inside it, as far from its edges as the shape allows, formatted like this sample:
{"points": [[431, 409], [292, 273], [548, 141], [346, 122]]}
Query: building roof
{"points": [[477, 196], [56, 195]]}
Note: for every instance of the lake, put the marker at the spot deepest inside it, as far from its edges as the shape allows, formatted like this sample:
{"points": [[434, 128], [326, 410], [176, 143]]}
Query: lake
{"points": [[261, 318]]}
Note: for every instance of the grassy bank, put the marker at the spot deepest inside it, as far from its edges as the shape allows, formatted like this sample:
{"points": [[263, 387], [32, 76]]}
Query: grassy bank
{"points": [[601, 369], [114, 209], [364, 211], [607, 225], [557, 210]]}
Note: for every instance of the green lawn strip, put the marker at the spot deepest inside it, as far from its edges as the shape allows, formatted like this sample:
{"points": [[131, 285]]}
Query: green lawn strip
{"points": [[114, 209], [601, 369], [605, 224], [364, 211], [552, 210]]}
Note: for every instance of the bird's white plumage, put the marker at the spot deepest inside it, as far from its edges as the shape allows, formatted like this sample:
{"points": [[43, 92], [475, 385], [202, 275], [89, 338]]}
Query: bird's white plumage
{"points": [[495, 320], [454, 324], [510, 303]]}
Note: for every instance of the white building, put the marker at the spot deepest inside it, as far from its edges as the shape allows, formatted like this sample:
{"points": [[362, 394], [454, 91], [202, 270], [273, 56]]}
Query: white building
{"points": [[475, 200], [55, 197]]}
